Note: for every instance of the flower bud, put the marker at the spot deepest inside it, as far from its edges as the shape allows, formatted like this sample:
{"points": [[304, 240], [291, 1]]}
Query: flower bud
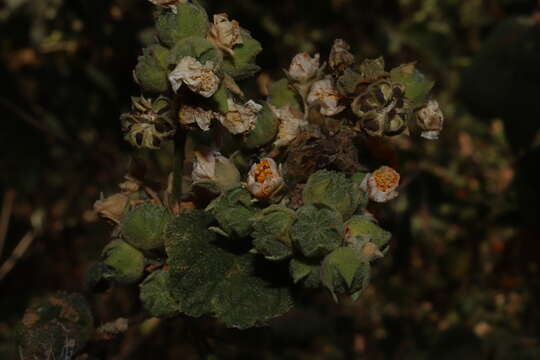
{"points": [[126, 262], [189, 115], [151, 70], [225, 34], [111, 207], [324, 93], [211, 166], [340, 57], [240, 118], [304, 67], [291, 122], [264, 178], [382, 109], [381, 184], [430, 119], [198, 77], [149, 123]]}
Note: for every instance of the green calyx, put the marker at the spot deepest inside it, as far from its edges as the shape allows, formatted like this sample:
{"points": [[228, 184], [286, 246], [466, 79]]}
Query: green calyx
{"points": [[188, 20], [417, 86], [362, 229], [150, 122], [233, 211], [271, 232], [151, 71], [143, 226], [334, 190], [265, 129], [126, 264], [197, 47], [382, 109], [317, 231], [345, 271]]}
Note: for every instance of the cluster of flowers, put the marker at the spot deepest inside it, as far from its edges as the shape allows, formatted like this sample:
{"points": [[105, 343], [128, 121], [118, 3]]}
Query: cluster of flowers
{"points": [[282, 175]]}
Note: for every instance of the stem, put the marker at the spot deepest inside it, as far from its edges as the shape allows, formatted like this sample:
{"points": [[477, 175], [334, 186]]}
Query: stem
{"points": [[178, 165]]}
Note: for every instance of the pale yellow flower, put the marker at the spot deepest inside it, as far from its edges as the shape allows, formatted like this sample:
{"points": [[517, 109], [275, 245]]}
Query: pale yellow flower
{"points": [[225, 34], [291, 122], [240, 118], [381, 184], [195, 115], [304, 67], [198, 77], [264, 178], [324, 93]]}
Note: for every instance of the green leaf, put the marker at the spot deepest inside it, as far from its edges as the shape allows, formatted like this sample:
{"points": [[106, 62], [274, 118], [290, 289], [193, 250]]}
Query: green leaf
{"points": [[189, 20], [205, 278], [156, 297], [126, 262], [417, 86], [271, 232], [317, 231], [143, 225], [362, 229], [305, 272], [345, 271], [334, 190], [233, 211], [280, 94], [265, 129], [242, 64]]}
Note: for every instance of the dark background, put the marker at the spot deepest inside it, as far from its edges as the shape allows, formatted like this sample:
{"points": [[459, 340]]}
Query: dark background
{"points": [[461, 280]]}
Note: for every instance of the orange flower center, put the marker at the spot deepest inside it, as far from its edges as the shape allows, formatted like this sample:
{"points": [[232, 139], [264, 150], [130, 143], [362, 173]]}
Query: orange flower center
{"points": [[263, 171], [385, 178]]}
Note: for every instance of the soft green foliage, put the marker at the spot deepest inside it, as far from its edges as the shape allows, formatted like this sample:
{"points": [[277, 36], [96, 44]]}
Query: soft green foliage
{"points": [[156, 297], [151, 70], [189, 20], [361, 229], [334, 190], [125, 261], [55, 327], [205, 278], [265, 129], [271, 232], [280, 94], [345, 271], [242, 64], [233, 211], [317, 230], [143, 226]]}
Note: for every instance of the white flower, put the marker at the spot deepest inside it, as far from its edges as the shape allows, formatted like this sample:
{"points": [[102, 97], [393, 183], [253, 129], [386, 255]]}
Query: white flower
{"points": [[240, 118], [324, 93], [430, 119], [225, 34], [198, 77], [204, 166], [304, 67], [210, 165], [340, 55], [203, 118], [381, 184], [291, 121], [264, 178]]}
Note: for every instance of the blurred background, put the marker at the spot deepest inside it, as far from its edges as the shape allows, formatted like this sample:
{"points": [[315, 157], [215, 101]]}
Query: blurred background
{"points": [[461, 280]]}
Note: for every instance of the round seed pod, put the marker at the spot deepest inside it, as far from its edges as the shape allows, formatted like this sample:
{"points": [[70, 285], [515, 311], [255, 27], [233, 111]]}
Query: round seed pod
{"points": [[143, 226]]}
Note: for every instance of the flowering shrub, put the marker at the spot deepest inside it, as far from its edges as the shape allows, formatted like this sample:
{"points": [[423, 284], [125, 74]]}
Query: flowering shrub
{"points": [[257, 184]]}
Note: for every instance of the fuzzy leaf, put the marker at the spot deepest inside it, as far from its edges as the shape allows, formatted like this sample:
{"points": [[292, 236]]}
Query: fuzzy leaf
{"points": [[233, 211], [305, 272], [189, 20], [271, 232], [156, 297], [317, 231], [143, 225], [205, 278], [344, 271], [417, 86], [242, 64], [196, 47], [126, 262], [280, 94], [151, 70], [265, 129]]}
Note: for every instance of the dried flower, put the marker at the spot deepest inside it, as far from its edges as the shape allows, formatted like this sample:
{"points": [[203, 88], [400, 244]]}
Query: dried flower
{"points": [[240, 118], [264, 178], [204, 166], [195, 115], [212, 166], [430, 119], [340, 57], [324, 93], [198, 77], [304, 67], [291, 121], [381, 184], [225, 34], [111, 207]]}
